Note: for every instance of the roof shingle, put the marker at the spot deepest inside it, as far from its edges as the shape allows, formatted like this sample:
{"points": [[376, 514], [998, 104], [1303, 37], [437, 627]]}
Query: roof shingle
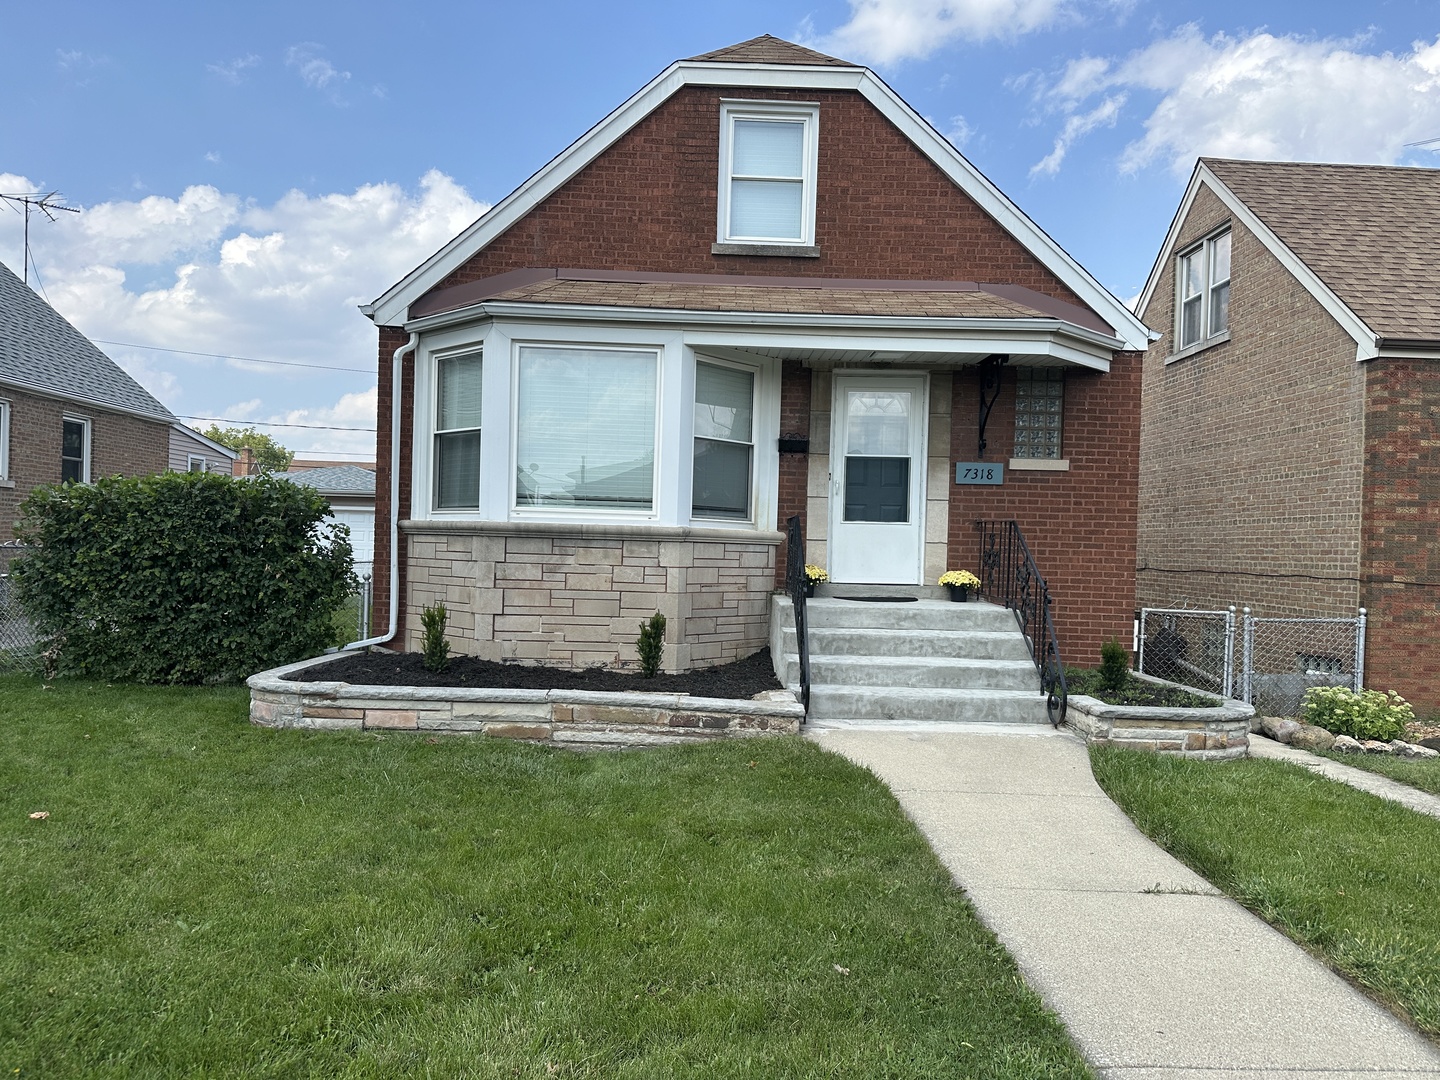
{"points": [[767, 49], [40, 350], [1370, 232]]}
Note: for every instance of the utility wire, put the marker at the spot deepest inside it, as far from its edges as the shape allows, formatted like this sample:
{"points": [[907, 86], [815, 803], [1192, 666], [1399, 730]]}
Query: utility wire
{"points": [[227, 356], [271, 423]]}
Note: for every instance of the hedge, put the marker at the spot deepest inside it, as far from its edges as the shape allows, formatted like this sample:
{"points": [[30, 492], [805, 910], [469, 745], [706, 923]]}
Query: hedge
{"points": [[181, 577]]}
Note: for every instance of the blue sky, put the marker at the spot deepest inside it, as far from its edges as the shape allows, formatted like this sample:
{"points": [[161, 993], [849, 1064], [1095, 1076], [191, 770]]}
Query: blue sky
{"points": [[248, 173]]}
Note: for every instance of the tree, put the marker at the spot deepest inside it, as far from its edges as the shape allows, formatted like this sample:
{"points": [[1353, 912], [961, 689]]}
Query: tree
{"points": [[270, 456]]}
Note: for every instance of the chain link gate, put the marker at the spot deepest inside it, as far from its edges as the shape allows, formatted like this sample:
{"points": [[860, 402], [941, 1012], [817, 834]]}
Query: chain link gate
{"points": [[1196, 648], [1283, 658], [1279, 658], [19, 647]]}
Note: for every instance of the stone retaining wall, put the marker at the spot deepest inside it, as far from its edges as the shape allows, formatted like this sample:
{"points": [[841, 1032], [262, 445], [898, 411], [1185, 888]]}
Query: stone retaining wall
{"points": [[573, 596], [1219, 733], [577, 718]]}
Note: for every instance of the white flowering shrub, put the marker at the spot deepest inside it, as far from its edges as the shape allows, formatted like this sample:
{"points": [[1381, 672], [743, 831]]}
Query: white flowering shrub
{"points": [[1370, 714]]}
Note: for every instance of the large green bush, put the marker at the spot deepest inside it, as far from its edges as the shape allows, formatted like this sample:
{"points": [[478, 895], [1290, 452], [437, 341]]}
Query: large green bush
{"points": [[182, 577], [1369, 714]]}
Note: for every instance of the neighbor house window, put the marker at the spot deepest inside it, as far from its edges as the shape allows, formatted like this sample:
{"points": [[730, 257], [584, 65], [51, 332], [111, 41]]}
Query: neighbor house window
{"points": [[767, 173], [585, 428], [4, 440], [1203, 277], [74, 450], [724, 441], [194, 463], [457, 432], [1039, 409]]}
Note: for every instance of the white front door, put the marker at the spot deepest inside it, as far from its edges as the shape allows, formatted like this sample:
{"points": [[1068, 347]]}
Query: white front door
{"points": [[877, 479]]}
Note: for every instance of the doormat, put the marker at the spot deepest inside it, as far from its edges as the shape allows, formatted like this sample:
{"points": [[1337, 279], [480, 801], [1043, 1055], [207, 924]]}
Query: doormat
{"points": [[881, 599]]}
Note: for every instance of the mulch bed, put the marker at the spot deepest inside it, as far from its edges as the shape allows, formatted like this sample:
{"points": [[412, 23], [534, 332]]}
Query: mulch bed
{"points": [[1136, 692], [742, 679]]}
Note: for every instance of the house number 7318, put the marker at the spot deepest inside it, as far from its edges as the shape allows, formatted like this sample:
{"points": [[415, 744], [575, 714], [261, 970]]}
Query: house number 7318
{"points": [[979, 472]]}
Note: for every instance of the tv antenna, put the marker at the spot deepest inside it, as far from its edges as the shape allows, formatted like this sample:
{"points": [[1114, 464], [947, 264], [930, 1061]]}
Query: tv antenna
{"points": [[47, 202]]}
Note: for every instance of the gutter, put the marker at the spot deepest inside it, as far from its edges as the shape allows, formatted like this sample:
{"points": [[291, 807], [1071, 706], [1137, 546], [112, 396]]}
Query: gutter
{"points": [[397, 364]]}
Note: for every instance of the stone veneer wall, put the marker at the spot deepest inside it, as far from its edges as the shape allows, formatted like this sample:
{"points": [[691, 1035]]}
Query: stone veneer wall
{"points": [[574, 595]]}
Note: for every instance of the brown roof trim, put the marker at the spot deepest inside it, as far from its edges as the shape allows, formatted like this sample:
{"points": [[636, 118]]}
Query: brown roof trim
{"points": [[474, 292]]}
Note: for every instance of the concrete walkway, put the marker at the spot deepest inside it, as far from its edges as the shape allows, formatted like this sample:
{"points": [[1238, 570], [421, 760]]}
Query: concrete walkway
{"points": [[1422, 802], [1155, 974]]}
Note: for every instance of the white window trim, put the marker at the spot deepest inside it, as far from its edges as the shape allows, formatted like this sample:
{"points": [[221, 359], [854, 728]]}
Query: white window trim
{"points": [[84, 422], [4, 439], [190, 460], [675, 439], [1205, 247], [436, 430], [744, 109], [723, 522]]}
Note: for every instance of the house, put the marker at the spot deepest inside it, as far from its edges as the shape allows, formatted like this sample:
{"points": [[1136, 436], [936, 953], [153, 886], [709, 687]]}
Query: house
{"points": [[191, 451], [351, 491], [1290, 434], [67, 411], [763, 286]]}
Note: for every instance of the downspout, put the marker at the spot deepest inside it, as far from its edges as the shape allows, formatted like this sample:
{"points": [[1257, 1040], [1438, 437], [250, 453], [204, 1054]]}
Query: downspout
{"points": [[396, 367]]}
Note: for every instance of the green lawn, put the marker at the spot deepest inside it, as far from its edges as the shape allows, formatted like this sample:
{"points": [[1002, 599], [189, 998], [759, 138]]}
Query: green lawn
{"points": [[1349, 875], [1422, 774], [212, 899]]}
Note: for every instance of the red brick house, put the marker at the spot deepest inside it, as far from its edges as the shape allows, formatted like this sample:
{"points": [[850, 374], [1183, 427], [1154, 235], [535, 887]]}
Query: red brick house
{"points": [[762, 286], [67, 411], [1290, 437]]}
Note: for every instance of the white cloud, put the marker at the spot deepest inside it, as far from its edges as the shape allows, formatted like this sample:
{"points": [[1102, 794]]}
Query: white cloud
{"points": [[960, 132], [213, 157], [211, 272], [1260, 96], [233, 71], [1076, 126], [317, 72], [888, 31]]}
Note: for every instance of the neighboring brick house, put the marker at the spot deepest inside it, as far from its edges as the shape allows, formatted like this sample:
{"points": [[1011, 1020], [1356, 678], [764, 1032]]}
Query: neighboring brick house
{"points": [[1290, 440], [617, 385], [67, 411]]}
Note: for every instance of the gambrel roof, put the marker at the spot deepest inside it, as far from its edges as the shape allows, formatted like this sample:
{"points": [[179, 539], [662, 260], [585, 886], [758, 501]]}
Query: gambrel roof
{"points": [[1363, 239], [765, 63], [42, 352]]}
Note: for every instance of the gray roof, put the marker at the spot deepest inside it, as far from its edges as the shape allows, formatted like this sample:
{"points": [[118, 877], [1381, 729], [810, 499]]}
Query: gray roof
{"points": [[335, 479], [40, 350]]}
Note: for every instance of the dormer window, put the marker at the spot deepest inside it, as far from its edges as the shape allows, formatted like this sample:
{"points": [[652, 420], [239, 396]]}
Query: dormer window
{"points": [[1202, 277], [767, 173]]}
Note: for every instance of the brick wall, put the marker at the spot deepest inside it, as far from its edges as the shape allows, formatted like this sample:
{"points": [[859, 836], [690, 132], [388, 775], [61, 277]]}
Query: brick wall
{"points": [[795, 390], [1252, 449], [575, 597], [1079, 524], [1402, 529], [883, 210], [119, 444]]}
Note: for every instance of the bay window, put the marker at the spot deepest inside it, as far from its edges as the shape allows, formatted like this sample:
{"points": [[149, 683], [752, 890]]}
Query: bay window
{"points": [[724, 441], [585, 428]]}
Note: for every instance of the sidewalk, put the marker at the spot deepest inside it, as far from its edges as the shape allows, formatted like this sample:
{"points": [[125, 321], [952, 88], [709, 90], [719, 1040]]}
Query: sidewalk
{"points": [[1422, 802], [1155, 974]]}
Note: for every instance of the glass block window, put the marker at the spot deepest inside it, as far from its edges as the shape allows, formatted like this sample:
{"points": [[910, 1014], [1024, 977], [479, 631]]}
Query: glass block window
{"points": [[1039, 410]]}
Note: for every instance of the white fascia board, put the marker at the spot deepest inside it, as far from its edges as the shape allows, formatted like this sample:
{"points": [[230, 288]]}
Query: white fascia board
{"points": [[1366, 340], [390, 307]]}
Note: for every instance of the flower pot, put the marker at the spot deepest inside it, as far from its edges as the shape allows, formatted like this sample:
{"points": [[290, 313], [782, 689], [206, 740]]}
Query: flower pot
{"points": [[959, 594], [809, 589]]}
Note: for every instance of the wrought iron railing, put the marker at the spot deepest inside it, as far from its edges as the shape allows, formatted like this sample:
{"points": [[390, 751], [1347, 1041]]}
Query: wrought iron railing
{"points": [[1009, 576], [795, 587]]}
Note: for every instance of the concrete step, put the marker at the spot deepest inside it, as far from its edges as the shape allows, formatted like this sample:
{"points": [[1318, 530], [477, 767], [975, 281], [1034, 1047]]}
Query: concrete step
{"points": [[967, 644], [924, 592], [920, 672], [909, 703], [919, 615]]}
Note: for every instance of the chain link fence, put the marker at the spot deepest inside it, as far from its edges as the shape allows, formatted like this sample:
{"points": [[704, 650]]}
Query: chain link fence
{"points": [[19, 647], [353, 617], [1278, 659]]}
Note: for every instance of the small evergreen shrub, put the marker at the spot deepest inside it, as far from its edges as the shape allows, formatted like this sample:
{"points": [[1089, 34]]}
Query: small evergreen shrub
{"points": [[181, 577], [433, 646], [651, 645], [1114, 666], [1370, 714]]}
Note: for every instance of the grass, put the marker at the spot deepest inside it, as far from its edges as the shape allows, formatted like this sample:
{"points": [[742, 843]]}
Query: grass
{"points": [[1417, 772], [212, 899], [1348, 875]]}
